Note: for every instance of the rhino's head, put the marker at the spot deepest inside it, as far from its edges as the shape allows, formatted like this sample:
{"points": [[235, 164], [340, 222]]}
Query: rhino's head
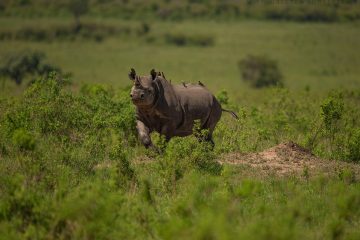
{"points": [[143, 92]]}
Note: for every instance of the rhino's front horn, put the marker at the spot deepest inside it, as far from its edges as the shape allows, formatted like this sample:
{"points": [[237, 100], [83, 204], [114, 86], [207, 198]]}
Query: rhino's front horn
{"points": [[132, 74], [137, 81]]}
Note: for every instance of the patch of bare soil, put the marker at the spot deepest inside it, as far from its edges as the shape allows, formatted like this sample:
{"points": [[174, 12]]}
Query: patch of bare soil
{"points": [[288, 158]]}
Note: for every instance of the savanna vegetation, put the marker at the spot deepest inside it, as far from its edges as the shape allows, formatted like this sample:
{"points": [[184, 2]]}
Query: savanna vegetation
{"points": [[71, 166], [298, 10]]}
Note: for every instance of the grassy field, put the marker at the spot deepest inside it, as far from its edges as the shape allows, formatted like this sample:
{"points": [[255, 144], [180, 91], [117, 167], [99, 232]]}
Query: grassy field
{"points": [[322, 56], [71, 166]]}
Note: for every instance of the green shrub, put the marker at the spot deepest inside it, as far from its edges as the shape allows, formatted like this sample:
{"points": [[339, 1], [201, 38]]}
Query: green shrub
{"points": [[332, 113], [332, 110], [180, 39], [78, 214], [68, 32], [23, 139], [176, 39], [78, 8], [159, 141], [144, 29], [124, 176], [24, 64], [260, 71], [31, 34], [304, 11], [334, 131], [88, 124], [86, 177], [223, 97], [354, 146], [186, 154]]}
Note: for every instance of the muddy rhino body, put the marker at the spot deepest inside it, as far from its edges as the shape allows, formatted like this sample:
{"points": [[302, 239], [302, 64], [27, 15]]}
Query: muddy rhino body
{"points": [[171, 109]]}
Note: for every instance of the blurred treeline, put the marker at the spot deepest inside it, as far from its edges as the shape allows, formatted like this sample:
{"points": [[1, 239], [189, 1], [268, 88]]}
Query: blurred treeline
{"points": [[297, 10]]}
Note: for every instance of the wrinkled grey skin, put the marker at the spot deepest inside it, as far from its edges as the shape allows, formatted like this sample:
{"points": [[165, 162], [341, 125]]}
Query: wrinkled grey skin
{"points": [[172, 109]]}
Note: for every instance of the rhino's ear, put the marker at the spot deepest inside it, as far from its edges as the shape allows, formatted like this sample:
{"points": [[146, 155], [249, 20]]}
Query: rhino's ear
{"points": [[153, 74], [132, 74]]}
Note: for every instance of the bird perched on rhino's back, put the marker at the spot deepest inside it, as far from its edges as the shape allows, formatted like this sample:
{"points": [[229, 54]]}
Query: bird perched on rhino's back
{"points": [[172, 109]]}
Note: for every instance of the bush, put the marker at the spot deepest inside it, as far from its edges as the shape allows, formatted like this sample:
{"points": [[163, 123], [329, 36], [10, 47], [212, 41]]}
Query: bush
{"points": [[180, 39], [334, 132], [332, 110], [78, 8], [124, 175], [183, 155], [23, 140], [223, 97], [309, 11], [260, 71], [354, 146], [83, 122], [24, 64], [144, 29], [85, 31], [85, 176]]}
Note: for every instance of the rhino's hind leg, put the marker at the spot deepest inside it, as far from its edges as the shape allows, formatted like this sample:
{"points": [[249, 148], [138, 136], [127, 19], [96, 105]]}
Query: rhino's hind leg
{"points": [[205, 136], [210, 140], [211, 121]]}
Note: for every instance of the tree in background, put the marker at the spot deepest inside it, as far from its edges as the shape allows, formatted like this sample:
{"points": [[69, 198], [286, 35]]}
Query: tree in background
{"points": [[19, 66], [260, 71], [78, 8]]}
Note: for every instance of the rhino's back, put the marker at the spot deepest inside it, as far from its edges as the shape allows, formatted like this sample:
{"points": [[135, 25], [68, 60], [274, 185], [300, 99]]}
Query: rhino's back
{"points": [[194, 99], [198, 104]]}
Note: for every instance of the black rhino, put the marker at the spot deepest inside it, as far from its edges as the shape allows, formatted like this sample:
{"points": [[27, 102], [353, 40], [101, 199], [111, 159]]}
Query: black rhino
{"points": [[172, 109]]}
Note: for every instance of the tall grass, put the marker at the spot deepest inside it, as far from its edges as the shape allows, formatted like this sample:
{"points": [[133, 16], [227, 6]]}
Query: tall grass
{"points": [[70, 168]]}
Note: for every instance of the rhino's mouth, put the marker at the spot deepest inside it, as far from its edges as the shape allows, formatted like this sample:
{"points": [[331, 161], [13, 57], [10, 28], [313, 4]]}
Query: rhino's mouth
{"points": [[139, 102]]}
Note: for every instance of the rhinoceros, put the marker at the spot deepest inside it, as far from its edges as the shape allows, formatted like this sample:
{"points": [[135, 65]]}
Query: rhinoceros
{"points": [[172, 109]]}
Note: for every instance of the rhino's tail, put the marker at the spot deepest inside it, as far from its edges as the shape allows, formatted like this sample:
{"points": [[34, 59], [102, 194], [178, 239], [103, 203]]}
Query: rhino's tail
{"points": [[231, 112]]}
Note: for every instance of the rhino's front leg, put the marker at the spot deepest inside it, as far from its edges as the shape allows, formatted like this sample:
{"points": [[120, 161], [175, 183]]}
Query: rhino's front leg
{"points": [[144, 133]]}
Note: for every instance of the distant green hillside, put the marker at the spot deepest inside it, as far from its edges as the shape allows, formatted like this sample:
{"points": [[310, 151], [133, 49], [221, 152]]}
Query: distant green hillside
{"points": [[304, 10], [321, 56]]}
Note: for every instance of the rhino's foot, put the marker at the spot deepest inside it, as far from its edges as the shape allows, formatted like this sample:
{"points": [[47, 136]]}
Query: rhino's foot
{"points": [[146, 142], [150, 146], [157, 150], [212, 143], [208, 140]]}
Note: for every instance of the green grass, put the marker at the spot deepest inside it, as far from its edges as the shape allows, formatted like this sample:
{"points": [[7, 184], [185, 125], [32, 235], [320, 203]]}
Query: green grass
{"points": [[322, 56], [72, 168]]}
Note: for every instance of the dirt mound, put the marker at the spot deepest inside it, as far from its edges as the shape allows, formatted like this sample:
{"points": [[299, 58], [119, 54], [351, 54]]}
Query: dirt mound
{"points": [[287, 158]]}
